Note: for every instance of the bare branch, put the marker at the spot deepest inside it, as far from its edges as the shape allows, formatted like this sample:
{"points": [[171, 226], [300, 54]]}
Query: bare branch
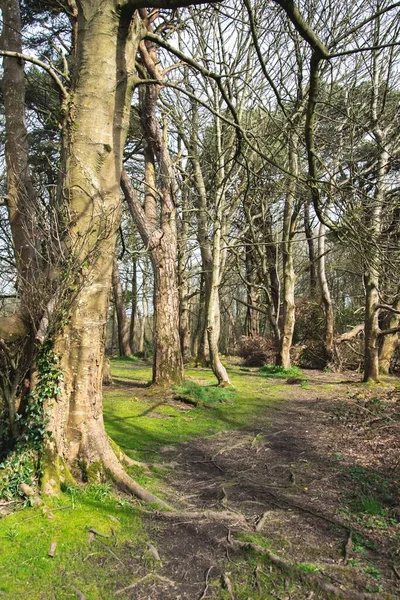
{"points": [[40, 64]]}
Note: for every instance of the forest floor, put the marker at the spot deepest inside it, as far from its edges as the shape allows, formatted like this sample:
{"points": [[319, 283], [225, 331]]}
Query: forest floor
{"points": [[303, 481]]}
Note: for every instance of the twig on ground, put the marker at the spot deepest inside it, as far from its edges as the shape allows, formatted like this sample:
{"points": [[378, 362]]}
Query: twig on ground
{"points": [[396, 571], [261, 522], [95, 532], [77, 592], [228, 586], [203, 595], [348, 548], [109, 550], [153, 551]]}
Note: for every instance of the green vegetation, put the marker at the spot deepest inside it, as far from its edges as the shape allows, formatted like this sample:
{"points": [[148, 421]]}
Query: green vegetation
{"points": [[204, 395], [279, 372], [27, 571], [20, 465]]}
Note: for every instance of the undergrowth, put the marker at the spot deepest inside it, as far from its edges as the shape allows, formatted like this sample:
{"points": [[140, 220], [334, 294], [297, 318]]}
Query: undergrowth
{"points": [[21, 464], [279, 372], [204, 395]]}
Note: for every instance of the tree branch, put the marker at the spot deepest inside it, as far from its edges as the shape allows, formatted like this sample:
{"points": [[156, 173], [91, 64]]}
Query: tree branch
{"points": [[40, 64]]}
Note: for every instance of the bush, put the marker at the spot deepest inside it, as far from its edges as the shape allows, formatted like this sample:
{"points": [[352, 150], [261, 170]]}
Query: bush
{"points": [[256, 351]]}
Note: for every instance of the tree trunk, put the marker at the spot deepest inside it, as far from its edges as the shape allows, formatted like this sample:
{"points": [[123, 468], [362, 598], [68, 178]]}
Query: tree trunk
{"points": [[311, 249], [167, 356], [20, 193], [289, 276], [326, 297], [122, 319], [253, 295], [98, 117], [184, 321], [134, 300], [391, 341], [371, 326]]}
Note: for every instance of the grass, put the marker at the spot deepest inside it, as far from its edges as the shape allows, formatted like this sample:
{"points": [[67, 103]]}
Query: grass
{"points": [[279, 372]]}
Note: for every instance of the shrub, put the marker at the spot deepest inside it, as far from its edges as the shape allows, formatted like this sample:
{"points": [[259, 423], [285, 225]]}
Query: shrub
{"points": [[256, 351]]}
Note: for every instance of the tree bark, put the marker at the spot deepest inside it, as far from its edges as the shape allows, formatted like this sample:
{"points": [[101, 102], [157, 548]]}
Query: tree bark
{"points": [[289, 276], [134, 301], [97, 118], [20, 193], [326, 297], [311, 249], [389, 342], [122, 319], [158, 229]]}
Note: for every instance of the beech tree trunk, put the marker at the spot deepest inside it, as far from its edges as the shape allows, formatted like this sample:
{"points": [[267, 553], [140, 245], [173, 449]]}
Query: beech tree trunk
{"points": [[122, 319], [98, 115]]}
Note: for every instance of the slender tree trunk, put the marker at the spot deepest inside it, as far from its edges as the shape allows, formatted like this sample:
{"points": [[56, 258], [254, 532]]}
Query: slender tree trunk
{"points": [[311, 249], [122, 319], [184, 321], [289, 276], [157, 228], [253, 294], [371, 325], [326, 296], [20, 193], [134, 300], [391, 341], [374, 227]]}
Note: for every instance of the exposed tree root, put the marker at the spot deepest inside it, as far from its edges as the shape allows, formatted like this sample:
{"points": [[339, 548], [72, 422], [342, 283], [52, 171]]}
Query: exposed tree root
{"points": [[147, 577], [127, 484], [206, 515], [311, 578]]}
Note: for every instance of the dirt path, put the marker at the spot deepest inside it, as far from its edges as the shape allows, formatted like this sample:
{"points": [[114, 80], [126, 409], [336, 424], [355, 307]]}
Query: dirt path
{"points": [[321, 465]]}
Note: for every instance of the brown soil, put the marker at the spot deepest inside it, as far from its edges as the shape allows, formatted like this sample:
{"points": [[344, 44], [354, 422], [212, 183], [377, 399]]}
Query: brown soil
{"points": [[322, 469]]}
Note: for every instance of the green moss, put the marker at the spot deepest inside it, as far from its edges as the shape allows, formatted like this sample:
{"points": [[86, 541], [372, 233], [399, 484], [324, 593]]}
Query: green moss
{"points": [[54, 472], [26, 536]]}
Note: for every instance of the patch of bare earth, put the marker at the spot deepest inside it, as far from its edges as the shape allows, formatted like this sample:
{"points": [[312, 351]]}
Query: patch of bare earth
{"points": [[318, 479]]}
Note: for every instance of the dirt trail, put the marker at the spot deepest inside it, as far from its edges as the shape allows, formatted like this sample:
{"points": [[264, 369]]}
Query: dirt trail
{"points": [[302, 468]]}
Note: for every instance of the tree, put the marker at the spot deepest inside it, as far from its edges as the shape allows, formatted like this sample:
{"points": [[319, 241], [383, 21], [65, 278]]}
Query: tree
{"points": [[97, 110]]}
